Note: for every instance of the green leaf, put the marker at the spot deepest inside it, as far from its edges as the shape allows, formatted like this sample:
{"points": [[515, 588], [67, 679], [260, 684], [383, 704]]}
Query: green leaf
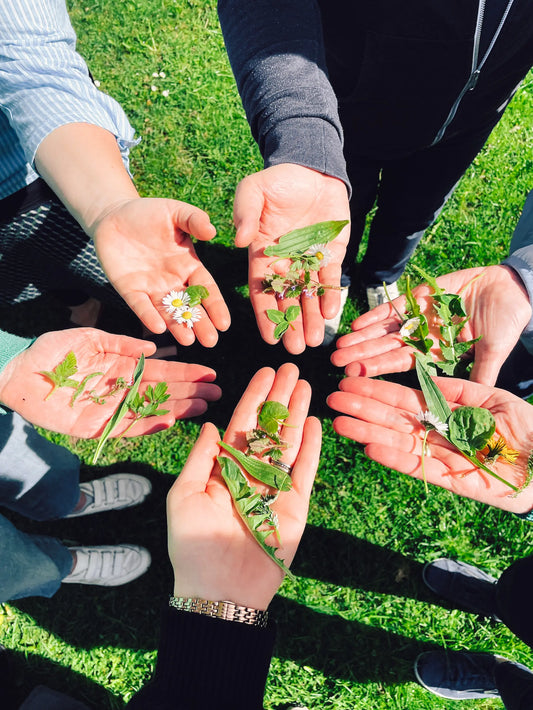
{"points": [[292, 313], [67, 367], [275, 316], [300, 240], [471, 428], [262, 471], [271, 415], [435, 401], [196, 294], [430, 280], [252, 509], [280, 329], [81, 386], [122, 409]]}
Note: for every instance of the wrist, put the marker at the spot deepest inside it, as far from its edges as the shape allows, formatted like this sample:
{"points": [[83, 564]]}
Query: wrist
{"points": [[225, 610]]}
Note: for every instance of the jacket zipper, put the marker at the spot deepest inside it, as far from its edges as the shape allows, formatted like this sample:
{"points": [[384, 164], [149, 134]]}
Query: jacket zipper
{"points": [[476, 68]]}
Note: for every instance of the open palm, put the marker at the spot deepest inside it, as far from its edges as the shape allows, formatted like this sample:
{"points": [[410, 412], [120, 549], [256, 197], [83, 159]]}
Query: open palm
{"points": [[24, 389], [382, 416], [271, 203], [213, 554], [145, 250], [495, 300]]}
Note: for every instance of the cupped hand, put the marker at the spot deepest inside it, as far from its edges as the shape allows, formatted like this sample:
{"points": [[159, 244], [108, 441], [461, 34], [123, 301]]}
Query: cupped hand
{"points": [[495, 299], [25, 390], [213, 554], [382, 416], [271, 203], [145, 250]]}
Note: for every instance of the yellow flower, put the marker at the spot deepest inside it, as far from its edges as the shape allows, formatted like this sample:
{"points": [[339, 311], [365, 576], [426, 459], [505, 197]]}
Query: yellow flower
{"points": [[497, 446]]}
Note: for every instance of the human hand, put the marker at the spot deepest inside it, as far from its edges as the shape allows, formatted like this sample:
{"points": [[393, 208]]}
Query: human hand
{"points": [[145, 250], [499, 310], [382, 416], [271, 203], [213, 554], [24, 389]]}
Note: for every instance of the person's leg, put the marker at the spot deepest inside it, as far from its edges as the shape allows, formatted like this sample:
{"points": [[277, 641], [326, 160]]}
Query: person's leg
{"points": [[43, 698], [38, 479], [32, 565], [513, 595], [412, 192], [515, 685]]}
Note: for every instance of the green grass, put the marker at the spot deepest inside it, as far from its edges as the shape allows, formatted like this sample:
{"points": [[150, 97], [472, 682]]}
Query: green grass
{"points": [[352, 623]]}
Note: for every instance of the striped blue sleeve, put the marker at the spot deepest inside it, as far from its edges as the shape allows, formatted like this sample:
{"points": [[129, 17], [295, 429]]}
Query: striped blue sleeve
{"points": [[45, 83]]}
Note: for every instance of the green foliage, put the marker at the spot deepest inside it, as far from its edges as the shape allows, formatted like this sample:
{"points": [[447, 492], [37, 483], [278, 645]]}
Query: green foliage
{"points": [[260, 470], [354, 620], [271, 416], [296, 242], [470, 428], [283, 319], [61, 376], [196, 294], [253, 509]]}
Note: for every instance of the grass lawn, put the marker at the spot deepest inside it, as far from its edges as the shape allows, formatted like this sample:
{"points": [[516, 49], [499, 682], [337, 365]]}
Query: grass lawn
{"points": [[352, 623]]}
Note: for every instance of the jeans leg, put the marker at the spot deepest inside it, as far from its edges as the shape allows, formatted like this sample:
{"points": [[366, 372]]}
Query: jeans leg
{"points": [[38, 479], [515, 686], [411, 194], [31, 565]]}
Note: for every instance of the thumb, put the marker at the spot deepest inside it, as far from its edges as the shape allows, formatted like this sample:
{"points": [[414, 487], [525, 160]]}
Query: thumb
{"points": [[247, 210], [194, 221]]}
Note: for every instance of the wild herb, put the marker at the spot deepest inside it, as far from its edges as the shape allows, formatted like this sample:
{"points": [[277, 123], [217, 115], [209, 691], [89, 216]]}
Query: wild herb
{"points": [[254, 510], [265, 439], [265, 472], [61, 376], [307, 251]]}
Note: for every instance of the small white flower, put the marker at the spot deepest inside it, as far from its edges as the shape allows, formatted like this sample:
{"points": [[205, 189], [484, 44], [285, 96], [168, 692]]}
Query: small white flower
{"points": [[153, 87], [187, 315], [431, 421], [165, 93], [409, 327], [176, 300], [321, 252], [96, 83], [162, 74], [155, 74]]}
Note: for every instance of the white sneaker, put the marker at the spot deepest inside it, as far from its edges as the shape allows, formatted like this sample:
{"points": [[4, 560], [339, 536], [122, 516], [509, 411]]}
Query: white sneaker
{"points": [[108, 565], [120, 490], [332, 325], [376, 296]]}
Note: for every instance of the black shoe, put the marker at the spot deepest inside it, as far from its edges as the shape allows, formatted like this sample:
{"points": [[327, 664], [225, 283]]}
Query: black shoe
{"points": [[466, 586], [460, 675]]}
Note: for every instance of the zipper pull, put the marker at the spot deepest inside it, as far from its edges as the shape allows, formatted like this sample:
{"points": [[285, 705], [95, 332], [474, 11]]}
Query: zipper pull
{"points": [[472, 81]]}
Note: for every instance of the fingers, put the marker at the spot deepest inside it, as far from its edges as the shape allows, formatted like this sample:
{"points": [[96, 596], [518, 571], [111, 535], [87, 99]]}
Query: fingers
{"points": [[106, 343], [159, 370], [245, 414], [292, 430], [197, 471], [247, 209], [194, 221], [306, 463], [141, 304]]}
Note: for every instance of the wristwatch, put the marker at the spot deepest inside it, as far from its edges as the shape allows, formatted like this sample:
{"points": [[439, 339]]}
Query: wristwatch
{"points": [[228, 611]]}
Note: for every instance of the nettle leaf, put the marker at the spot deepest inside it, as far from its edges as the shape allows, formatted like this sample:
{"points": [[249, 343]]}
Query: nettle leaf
{"points": [[262, 471], [196, 294], [300, 240], [275, 316], [471, 428], [253, 510], [68, 366], [271, 416]]}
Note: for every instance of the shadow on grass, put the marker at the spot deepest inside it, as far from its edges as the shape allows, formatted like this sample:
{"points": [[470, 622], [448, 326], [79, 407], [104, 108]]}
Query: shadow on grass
{"points": [[27, 671]]}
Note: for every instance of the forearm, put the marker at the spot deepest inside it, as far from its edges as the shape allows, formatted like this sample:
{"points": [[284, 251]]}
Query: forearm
{"points": [[45, 82], [82, 163], [277, 55], [205, 663]]}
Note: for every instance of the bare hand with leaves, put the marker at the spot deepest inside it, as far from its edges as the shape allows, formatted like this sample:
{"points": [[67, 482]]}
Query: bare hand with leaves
{"points": [[213, 553]]}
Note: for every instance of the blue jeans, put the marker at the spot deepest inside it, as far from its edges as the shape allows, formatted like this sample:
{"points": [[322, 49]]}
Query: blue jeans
{"points": [[40, 480]]}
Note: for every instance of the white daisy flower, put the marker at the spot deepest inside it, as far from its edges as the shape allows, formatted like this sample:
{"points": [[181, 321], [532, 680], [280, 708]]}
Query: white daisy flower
{"points": [[322, 253], [409, 327], [176, 300], [187, 315], [155, 74], [165, 93], [162, 74], [153, 87], [431, 421]]}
